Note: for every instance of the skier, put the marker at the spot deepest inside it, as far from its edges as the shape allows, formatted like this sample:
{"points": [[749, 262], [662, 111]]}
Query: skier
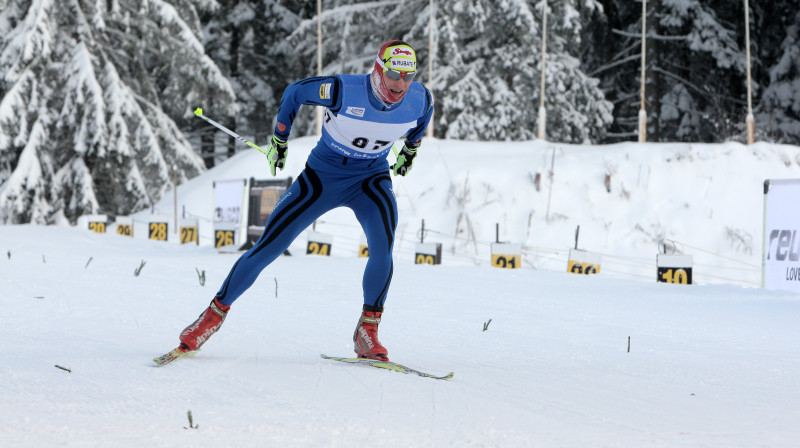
{"points": [[348, 167]]}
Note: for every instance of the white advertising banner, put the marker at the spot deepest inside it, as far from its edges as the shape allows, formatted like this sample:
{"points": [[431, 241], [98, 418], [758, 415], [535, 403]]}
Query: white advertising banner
{"points": [[780, 257]]}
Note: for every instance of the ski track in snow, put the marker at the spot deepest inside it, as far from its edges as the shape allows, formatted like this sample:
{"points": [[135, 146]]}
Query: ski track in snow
{"points": [[709, 365]]}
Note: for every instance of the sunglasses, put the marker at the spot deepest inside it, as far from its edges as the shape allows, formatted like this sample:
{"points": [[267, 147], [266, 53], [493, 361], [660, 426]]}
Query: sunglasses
{"points": [[394, 74]]}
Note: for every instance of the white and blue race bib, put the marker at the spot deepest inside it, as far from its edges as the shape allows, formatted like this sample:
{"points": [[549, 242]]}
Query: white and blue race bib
{"points": [[361, 130]]}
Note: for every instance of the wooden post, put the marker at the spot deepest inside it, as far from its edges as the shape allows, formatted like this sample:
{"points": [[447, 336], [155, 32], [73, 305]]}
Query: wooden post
{"points": [[542, 112], [319, 61], [642, 112], [431, 54], [750, 121], [175, 195]]}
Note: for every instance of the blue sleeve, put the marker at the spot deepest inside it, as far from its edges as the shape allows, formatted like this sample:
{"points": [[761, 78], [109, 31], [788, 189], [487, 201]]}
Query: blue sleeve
{"points": [[414, 136], [316, 91]]}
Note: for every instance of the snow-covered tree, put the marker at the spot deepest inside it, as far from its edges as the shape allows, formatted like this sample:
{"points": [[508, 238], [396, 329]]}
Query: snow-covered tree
{"points": [[246, 40], [487, 64], [778, 114], [702, 67], [94, 95], [490, 54], [696, 68]]}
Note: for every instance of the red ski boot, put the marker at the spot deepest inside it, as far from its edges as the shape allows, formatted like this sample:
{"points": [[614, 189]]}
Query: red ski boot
{"points": [[365, 337], [207, 324]]}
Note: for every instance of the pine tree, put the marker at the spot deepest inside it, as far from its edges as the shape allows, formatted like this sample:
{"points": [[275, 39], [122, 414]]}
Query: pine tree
{"points": [[778, 114], [703, 71], [611, 54], [245, 39], [695, 89], [93, 100], [492, 74]]}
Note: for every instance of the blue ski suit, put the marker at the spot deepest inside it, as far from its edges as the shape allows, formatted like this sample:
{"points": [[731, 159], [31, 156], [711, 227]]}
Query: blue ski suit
{"points": [[347, 168]]}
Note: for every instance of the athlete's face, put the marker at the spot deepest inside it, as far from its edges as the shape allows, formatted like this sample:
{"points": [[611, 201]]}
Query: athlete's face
{"points": [[396, 87]]}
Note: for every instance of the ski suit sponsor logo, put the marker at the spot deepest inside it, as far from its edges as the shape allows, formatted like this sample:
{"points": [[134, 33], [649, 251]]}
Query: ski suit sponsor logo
{"points": [[357, 111], [325, 91]]}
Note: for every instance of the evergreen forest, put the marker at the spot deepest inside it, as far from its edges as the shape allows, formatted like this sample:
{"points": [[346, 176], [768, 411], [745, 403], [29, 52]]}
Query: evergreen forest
{"points": [[97, 97]]}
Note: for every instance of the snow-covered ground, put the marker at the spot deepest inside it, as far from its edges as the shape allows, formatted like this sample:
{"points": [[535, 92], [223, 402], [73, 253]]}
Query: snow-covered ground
{"points": [[613, 359], [707, 200]]}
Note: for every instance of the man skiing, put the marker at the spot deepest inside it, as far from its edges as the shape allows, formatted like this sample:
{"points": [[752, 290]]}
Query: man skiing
{"points": [[364, 116]]}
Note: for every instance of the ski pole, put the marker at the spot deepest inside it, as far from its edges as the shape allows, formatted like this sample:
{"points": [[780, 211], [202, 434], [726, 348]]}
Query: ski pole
{"points": [[199, 113]]}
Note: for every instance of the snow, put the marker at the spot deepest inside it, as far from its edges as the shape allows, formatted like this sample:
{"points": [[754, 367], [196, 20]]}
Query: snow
{"points": [[613, 359], [32, 39]]}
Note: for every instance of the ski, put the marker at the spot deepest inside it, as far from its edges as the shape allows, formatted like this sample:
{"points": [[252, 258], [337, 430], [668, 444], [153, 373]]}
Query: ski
{"points": [[388, 365], [177, 353]]}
